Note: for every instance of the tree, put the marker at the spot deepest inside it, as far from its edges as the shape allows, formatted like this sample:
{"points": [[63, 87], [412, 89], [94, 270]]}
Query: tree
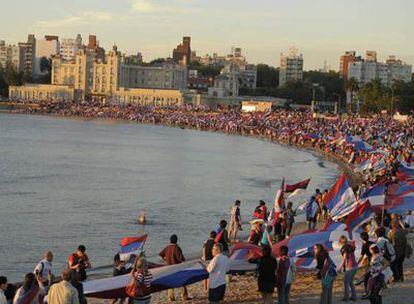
{"points": [[267, 76], [376, 97], [45, 65]]}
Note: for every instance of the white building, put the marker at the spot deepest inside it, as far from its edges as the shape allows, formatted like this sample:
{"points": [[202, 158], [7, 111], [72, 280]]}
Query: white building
{"points": [[10, 53], [291, 67], [387, 72], [47, 47], [226, 84], [69, 47]]}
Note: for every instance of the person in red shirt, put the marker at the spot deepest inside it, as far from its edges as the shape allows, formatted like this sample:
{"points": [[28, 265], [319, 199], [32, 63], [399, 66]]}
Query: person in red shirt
{"points": [[79, 261], [172, 254]]}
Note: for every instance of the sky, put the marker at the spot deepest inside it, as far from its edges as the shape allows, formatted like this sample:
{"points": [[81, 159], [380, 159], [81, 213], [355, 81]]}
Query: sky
{"points": [[320, 29]]}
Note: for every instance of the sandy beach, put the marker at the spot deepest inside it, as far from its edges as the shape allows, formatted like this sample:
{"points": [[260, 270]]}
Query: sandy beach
{"points": [[306, 289]]}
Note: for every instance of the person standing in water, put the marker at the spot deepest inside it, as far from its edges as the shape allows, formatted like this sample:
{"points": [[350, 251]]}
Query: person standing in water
{"points": [[235, 221]]}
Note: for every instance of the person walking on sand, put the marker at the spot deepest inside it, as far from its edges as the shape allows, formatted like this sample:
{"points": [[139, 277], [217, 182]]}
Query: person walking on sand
{"points": [[290, 218], [172, 255], [28, 293], [285, 274], [141, 282], [217, 270], [235, 221], [311, 210], [326, 272], [43, 272], [223, 237], [267, 275], [349, 266]]}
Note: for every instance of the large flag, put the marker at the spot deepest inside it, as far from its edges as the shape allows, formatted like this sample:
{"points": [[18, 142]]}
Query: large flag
{"points": [[340, 197], [301, 185], [131, 245], [405, 171], [359, 144], [359, 216], [375, 195]]}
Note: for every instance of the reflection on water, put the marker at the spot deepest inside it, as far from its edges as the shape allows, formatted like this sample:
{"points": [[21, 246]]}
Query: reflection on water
{"points": [[64, 182]]}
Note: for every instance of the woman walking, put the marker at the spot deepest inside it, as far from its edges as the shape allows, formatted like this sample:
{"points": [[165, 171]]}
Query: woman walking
{"points": [[349, 266], [326, 272], [267, 275], [29, 292], [139, 289]]}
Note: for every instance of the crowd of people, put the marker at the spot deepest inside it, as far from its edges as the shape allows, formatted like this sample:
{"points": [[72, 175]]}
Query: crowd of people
{"points": [[41, 285], [384, 240]]}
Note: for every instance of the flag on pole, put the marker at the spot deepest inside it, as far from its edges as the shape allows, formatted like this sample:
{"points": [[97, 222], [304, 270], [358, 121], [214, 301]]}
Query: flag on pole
{"points": [[340, 197], [131, 245], [301, 185]]}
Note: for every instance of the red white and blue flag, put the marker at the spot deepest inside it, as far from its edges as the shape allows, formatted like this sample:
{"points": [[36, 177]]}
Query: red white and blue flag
{"points": [[359, 216], [131, 245], [375, 195], [340, 197]]}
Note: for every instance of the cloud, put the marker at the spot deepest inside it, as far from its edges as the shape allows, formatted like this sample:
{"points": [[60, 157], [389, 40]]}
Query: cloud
{"points": [[143, 6], [158, 6], [80, 19]]}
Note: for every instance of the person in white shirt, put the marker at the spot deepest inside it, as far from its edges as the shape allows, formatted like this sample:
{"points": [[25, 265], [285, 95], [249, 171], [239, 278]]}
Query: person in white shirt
{"points": [[217, 270], [409, 219], [3, 286], [43, 272]]}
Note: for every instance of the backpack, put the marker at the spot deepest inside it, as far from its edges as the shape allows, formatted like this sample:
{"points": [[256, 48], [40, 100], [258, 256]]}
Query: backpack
{"points": [[388, 251]]}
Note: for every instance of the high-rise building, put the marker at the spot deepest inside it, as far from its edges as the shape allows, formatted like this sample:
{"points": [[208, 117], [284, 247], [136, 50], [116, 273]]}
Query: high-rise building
{"points": [[28, 56], [291, 67], [182, 53], [94, 49], [10, 54], [69, 47], [47, 47], [371, 56], [345, 60], [364, 71]]}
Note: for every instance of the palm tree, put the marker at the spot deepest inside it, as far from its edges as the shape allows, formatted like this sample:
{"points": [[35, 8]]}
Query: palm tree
{"points": [[351, 87]]}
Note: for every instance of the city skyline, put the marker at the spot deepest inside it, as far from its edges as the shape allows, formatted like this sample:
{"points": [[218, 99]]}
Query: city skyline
{"points": [[263, 31]]}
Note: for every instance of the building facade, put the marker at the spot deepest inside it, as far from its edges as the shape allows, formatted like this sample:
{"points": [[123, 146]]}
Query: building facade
{"points": [[182, 53], [148, 97], [10, 54], [47, 47], [28, 56], [364, 71], [69, 47], [345, 60], [37, 92], [291, 67]]}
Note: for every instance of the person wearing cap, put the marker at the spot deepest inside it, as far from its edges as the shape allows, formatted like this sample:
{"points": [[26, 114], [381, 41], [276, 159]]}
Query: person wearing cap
{"points": [[79, 261]]}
